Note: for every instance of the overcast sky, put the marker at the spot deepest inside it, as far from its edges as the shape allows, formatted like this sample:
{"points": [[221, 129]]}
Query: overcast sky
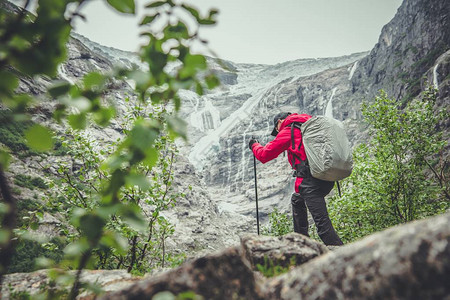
{"points": [[262, 31]]}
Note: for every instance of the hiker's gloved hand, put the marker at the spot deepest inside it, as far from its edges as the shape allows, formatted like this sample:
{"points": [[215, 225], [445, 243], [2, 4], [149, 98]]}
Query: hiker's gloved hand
{"points": [[251, 142]]}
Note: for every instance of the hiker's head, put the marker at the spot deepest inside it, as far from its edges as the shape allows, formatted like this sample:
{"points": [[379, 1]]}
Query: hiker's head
{"points": [[277, 120]]}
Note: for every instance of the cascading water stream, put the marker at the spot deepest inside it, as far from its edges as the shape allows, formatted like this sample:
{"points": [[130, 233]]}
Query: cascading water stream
{"points": [[329, 108], [435, 77]]}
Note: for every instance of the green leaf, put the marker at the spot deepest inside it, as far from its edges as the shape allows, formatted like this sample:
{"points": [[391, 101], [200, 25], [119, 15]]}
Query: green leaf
{"points": [[149, 19], [34, 225], [92, 225], [39, 138], [178, 31], [177, 126], [207, 22], [212, 81], [77, 248], [177, 101], [156, 4], [19, 43], [5, 236], [59, 88], [142, 79], [18, 103], [81, 103], [77, 121], [199, 89], [165, 296], [195, 61], [137, 180], [44, 262], [213, 12], [142, 136], [115, 241], [116, 162], [192, 63], [94, 80], [8, 83], [5, 159], [104, 115], [151, 157], [132, 216], [123, 6], [192, 11]]}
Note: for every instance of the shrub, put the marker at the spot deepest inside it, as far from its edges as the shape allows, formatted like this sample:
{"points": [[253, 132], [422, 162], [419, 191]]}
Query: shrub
{"points": [[23, 259], [279, 224], [30, 182], [392, 181]]}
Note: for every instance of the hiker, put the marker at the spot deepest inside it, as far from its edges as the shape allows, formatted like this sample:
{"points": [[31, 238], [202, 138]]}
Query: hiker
{"points": [[309, 192]]}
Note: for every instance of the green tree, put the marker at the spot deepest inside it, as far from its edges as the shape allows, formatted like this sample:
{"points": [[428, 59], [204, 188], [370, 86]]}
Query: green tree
{"points": [[77, 181], [393, 179]]}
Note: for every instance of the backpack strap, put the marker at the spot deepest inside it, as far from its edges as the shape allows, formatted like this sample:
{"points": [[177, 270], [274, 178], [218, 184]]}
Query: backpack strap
{"points": [[292, 136], [295, 156], [295, 125]]}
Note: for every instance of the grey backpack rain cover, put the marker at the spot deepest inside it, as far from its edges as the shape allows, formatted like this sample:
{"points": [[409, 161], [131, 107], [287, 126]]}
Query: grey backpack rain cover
{"points": [[327, 148]]}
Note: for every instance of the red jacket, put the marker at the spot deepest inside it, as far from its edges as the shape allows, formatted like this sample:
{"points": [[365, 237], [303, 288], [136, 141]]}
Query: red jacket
{"points": [[283, 142]]}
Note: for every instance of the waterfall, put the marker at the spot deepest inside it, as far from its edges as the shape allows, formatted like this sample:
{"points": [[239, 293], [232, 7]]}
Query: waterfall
{"points": [[230, 166], [329, 108], [245, 149], [353, 70], [63, 75], [435, 77]]}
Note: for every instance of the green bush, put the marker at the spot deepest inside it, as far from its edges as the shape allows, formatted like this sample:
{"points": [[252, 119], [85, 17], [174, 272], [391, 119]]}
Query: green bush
{"points": [[391, 182], [19, 295], [26, 252], [12, 132], [279, 224], [24, 206], [30, 182]]}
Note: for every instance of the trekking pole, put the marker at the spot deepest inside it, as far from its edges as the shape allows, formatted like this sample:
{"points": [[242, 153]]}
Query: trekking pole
{"points": [[256, 193]]}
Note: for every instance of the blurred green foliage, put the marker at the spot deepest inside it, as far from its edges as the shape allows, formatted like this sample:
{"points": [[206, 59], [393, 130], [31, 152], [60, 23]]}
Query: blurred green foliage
{"points": [[12, 134], [35, 45]]}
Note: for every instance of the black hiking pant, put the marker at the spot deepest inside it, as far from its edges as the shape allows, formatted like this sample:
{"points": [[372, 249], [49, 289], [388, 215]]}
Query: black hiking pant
{"points": [[311, 195]]}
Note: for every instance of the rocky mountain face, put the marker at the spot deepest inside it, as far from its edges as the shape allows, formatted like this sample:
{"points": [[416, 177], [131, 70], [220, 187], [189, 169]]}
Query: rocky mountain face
{"points": [[412, 52]]}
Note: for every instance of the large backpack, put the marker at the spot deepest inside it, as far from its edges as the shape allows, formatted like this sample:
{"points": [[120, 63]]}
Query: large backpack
{"points": [[327, 148]]}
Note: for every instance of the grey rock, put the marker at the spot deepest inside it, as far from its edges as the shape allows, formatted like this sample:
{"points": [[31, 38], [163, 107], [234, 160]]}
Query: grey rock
{"points": [[37, 282], [218, 276], [289, 250], [411, 261]]}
